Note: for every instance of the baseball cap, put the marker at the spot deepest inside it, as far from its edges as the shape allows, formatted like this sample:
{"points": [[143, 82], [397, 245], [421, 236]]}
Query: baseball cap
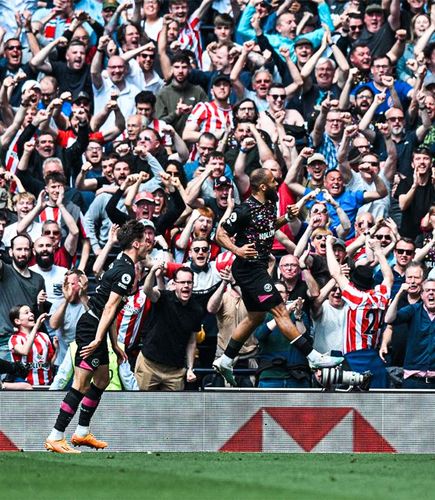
{"points": [[147, 223], [144, 196], [339, 243], [219, 78], [30, 84], [303, 41], [430, 80], [222, 181], [373, 7], [316, 157], [107, 4], [82, 95]]}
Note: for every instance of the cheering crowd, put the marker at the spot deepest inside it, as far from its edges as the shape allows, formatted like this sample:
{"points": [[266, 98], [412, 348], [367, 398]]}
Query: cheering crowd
{"points": [[178, 114]]}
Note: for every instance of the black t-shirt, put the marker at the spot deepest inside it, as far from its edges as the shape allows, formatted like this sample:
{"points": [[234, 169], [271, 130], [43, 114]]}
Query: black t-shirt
{"points": [[168, 328], [423, 198], [404, 150], [72, 80], [118, 278], [16, 93], [380, 42], [253, 222]]}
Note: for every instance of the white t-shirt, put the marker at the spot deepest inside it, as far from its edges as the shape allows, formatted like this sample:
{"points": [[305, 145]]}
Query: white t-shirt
{"points": [[378, 208], [34, 231], [330, 329], [53, 281]]}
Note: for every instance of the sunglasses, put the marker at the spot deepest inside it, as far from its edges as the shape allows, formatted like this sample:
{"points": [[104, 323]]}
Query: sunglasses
{"points": [[53, 233], [320, 237], [148, 56], [275, 97], [369, 224], [356, 28], [383, 237], [402, 251], [200, 249], [289, 266], [14, 47]]}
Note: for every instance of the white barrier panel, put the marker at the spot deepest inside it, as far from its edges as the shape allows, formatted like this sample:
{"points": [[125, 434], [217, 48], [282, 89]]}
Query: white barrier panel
{"points": [[234, 421]]}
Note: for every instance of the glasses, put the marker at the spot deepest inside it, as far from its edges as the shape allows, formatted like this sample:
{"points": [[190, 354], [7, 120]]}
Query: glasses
{"points": [[316, 211], [200, 249], [383, 237], [289, 266], [109, 9], [320, 237], [275, 97], [14, 47], [52, 233], [356, 28], [364, 96], [372, 163], [402, 251], [145, 138], [148, 56], [263, 81], [395, 118], [188, 283]]}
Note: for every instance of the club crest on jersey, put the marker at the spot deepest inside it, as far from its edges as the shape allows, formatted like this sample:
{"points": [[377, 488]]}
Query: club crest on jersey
{"points": [[267, 287], [95, 362], [233, 217], [125, 278]]}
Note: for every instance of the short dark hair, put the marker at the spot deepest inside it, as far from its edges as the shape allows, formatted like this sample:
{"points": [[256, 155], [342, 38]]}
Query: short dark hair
{"points": [[145, 97], [3, 215], [258, 177], [409, 241], [75, 42], [129, 232], [183, 269], [22, 235], [181, 57], [55, 177], [214, 154], [276, 86]]}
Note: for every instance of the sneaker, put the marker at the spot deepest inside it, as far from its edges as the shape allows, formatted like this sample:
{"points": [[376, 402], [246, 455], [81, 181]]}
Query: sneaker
{"points": [[225, 371], [59, 446], [88, 440], [325, 361]]}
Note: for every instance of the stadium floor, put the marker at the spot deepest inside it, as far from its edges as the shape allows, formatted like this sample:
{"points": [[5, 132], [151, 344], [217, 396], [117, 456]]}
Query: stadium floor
{"points": [[220, 476]]}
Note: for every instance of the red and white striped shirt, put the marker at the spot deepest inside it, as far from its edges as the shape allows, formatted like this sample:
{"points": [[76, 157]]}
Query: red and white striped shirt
{"points": [[190, 38], [130, 318], [54, 214], [364, 317], [209, 117], [39, 357], [157, 125]]}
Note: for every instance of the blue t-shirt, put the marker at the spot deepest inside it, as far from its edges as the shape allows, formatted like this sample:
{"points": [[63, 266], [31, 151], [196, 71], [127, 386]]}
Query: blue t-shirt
{"points": [[349, 201], [402, 89]]}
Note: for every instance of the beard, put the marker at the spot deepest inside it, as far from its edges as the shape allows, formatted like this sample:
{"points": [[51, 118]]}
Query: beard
{"points": [[44, 261], [271, 195], [21, 264]]}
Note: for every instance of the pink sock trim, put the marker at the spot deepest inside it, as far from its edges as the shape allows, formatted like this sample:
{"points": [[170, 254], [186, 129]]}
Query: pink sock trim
{"points": [[66, 407], [89, 402]]}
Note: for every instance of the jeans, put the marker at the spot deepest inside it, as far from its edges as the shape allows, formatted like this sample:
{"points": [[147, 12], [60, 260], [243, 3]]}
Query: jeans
{"points": [[284, 383]]}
